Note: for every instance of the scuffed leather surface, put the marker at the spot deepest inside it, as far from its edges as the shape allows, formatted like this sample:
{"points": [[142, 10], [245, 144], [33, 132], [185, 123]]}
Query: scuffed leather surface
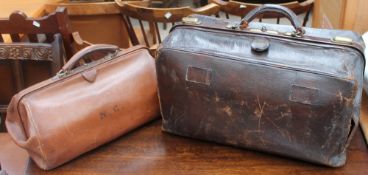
{"points": [[299, 99], [297, 55], [59, 119]]}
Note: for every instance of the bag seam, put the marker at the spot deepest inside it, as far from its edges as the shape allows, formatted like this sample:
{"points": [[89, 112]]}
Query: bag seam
{"points": [[37, 132]]}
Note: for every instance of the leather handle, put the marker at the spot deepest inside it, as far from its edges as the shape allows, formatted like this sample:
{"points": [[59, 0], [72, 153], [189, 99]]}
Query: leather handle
{"points": [[88, 50], [276, 9]]}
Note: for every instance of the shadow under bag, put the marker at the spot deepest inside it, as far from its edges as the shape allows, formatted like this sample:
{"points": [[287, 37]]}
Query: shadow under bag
{"points": [[82, 108], [292, 92]]}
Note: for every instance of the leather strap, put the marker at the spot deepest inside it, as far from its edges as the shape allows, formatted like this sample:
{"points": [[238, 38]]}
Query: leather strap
{"points": [[88, 50], [276, 9]]}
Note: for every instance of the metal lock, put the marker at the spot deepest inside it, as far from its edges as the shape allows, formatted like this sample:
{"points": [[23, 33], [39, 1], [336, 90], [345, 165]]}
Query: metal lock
{"points": [[191, 20], [260, 44], [341, 39]]}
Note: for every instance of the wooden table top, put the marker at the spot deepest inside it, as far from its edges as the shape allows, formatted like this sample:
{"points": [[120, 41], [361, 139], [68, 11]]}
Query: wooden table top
{"points": [[148, 150]]}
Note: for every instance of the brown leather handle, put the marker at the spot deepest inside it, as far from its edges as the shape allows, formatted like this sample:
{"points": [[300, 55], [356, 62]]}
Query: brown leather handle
{"points": [[277, 9], [93, 48]]}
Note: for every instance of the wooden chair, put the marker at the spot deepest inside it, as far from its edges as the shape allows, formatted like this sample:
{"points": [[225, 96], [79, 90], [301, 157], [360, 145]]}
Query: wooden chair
{"points": [[166, 3], [21, 28], [241, 9], [96, 22], [141, 12], [24, 64]]}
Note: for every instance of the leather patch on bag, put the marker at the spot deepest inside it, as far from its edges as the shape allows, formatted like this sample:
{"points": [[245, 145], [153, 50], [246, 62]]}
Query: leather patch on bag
{"points": [[90, 75], [198, 75], [304, 95]]}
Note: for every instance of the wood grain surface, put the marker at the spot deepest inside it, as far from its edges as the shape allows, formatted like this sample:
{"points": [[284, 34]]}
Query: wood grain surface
{"points": [[341, 14], [148, 150]]}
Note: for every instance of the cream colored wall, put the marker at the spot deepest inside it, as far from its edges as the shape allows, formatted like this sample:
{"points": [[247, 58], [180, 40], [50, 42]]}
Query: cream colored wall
{"points": [[356, 16]]}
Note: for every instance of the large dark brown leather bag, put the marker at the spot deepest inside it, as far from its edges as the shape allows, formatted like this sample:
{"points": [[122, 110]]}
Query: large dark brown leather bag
{"points": [[84, 107], [289, 91]]}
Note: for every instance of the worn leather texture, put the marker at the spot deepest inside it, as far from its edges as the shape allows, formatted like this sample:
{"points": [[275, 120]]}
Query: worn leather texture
{"points": [[296, 96], [82, 108]]}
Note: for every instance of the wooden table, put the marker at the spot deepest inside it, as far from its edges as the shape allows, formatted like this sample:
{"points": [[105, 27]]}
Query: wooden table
{"points": [[147, 150]]}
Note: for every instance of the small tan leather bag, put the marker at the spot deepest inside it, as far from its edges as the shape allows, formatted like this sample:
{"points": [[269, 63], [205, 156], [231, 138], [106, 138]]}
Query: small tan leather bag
{"points": [[80, 109]]}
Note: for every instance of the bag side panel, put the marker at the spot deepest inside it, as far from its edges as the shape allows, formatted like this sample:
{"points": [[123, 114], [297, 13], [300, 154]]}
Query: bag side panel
{"points": [[74, 116], [297, 114]]}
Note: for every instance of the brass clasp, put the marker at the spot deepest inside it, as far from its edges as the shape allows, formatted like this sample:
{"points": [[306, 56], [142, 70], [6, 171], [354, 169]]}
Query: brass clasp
{"points": [[191, 20], [341, 39]]}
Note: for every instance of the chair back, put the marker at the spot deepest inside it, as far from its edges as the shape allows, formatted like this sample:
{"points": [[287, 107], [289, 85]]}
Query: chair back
{"points": [[96, 22], [31, 50], [23, 64], [241, 9], [18, 27], [141, 12]]}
